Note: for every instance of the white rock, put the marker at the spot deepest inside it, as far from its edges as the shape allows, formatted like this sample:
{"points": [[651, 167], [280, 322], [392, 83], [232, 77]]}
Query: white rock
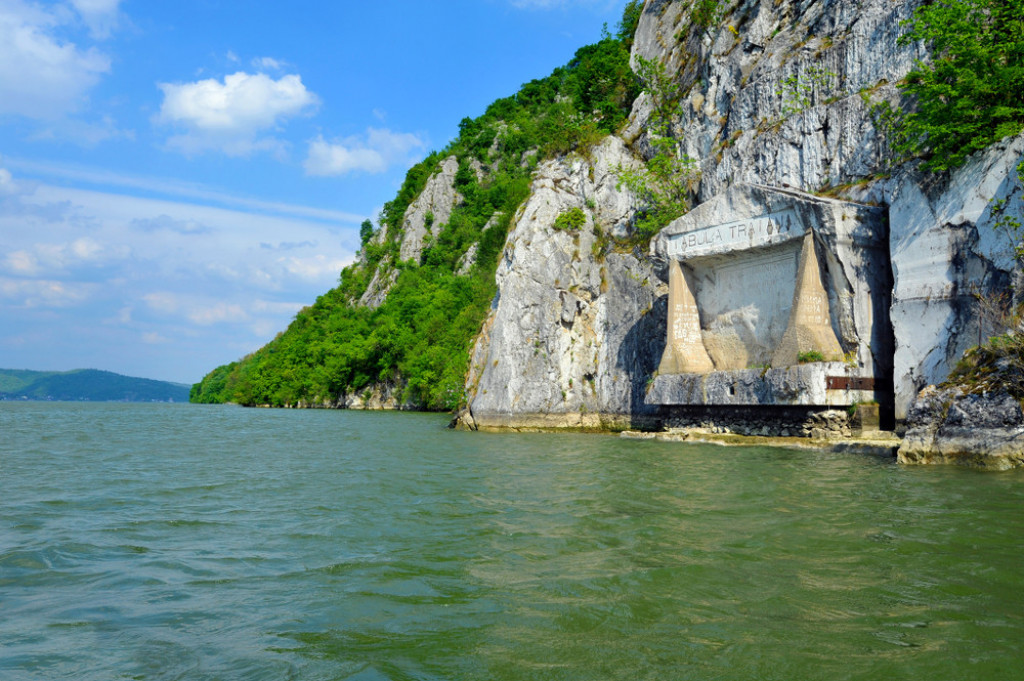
{"points": [[438, 198]]}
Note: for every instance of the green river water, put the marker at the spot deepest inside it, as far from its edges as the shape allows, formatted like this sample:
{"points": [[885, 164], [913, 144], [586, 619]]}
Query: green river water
{"points": [[192, 542]]}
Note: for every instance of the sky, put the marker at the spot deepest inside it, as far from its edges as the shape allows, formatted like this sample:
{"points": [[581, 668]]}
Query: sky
{"points": [[178, 179]]}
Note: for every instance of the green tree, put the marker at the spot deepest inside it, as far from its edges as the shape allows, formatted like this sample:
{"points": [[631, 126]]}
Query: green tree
{"points": [[971, 94], [663, 187], [421, 335], [365, 232], [707, 13], [630, 20]]}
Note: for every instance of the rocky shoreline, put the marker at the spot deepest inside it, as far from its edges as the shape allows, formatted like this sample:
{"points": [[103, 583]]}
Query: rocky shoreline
{"points": [[952, 425], [945, 426]]}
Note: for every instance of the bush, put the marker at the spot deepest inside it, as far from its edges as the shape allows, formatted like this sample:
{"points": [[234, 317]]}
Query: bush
{"points": [[809, 357], [996, 365], [423, 332], [972, 92], [571, 220]]}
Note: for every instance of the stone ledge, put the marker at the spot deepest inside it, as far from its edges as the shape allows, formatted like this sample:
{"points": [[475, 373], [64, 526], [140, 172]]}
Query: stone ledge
{"points": [[803, 385], [589, 422], [951, 426], [884, 447]]}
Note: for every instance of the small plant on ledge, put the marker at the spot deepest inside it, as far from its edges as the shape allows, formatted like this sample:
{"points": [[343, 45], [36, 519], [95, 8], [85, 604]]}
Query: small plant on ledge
{"points": [[571, 220], [809, 357]]}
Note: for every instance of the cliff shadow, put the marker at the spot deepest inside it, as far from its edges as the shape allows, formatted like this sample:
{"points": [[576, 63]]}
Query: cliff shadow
{"points": [[638, 357]]}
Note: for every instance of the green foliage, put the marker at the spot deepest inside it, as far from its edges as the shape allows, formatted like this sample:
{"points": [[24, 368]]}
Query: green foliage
{"points": [[627, 25], [800, 89], [571, 220], [1010, 223], [221, 381], [663, 90], [365, 232], [809, 357], [571, 109], [87, 385], [415, 181], [421, 335], [972, 92], [421, 332], [996, 365], [707, 13], [663, 187], [14, 380]]}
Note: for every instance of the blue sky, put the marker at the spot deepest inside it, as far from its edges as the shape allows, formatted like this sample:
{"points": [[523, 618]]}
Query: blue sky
{"points": [[177, 179]]}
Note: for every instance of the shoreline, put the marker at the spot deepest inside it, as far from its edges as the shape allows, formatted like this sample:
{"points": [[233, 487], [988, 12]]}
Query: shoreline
{"points": [[884, 444]]}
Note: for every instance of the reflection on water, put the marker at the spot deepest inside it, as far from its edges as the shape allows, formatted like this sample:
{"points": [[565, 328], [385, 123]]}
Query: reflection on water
{"points": [[163, 542]]}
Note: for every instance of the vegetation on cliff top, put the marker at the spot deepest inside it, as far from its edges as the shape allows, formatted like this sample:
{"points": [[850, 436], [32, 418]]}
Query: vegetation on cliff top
{"points": [[967, 97], [420, 336], [971, 93], [997, 365]]}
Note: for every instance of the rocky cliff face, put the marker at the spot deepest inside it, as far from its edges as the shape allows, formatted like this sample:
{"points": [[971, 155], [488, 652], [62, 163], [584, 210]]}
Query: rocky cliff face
{"points": [[432, 208], [574, 332], [953, 267], [780, 93], [953, 426]]}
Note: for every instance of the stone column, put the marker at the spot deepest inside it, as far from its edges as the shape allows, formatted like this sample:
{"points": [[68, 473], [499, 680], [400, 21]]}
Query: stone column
{"points": [[810, 320], [684, 347]]}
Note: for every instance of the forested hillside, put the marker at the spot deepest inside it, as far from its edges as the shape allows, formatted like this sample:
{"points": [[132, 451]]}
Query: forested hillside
{"points": [[523, 231], [91, 385], [417, 340]]}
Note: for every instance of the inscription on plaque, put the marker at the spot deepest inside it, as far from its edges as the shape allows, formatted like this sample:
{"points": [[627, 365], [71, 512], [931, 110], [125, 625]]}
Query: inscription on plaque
{"points": [[813, 308], [763, 230], [686, 324]]}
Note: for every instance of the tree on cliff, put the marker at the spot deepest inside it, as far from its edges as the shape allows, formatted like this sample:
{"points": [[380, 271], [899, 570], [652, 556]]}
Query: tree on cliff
{"points": [[418, 339], [971, 94], [664, 185]]}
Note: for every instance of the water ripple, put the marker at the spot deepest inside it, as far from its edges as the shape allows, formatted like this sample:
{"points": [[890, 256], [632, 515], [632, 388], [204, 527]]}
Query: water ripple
{"points": [[156, 542]]}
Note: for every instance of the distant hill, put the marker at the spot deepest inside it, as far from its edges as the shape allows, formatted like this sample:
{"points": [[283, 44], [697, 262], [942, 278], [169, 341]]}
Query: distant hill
{"points": [[90, 385]]}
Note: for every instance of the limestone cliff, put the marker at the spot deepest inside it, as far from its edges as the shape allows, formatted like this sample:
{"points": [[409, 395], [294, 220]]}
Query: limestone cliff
{"points": [[779, 93], [574, 332], [782, 106]]}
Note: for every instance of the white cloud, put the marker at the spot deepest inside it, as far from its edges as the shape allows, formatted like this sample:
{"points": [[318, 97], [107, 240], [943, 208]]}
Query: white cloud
{"points": [[203, 310], [99, 176], [21, 262], [218, 313], [42, 76], [267, 64], [52, 259], [230, 115], [83, 133], [166, 222], [109, 277], [101, 16], [33, 293], [162, 301], [314, 268], [373, 153], [7, 185]]}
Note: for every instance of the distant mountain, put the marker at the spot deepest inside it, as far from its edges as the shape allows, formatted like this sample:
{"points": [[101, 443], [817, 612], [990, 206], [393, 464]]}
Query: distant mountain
{"points": [[90, 385]]}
